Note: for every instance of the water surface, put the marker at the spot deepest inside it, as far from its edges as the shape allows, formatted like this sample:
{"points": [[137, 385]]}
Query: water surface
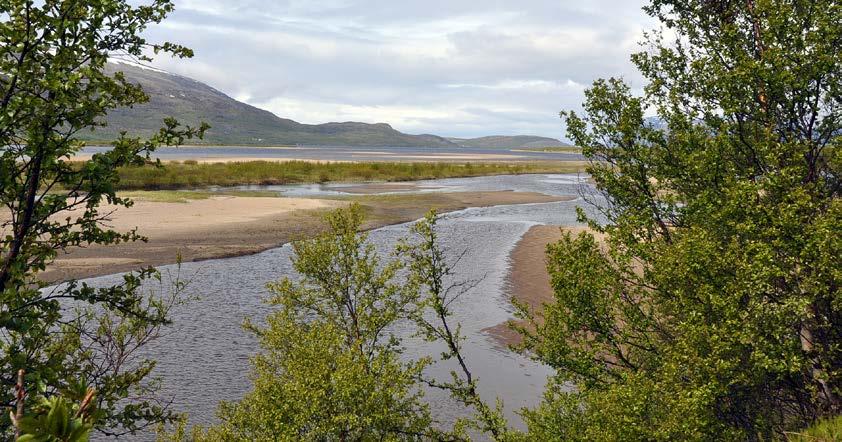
{"points": [[204, 358]]}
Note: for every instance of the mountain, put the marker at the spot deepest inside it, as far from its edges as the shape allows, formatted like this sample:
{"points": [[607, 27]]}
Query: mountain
{"points": [[234, 122], [508, 142]]}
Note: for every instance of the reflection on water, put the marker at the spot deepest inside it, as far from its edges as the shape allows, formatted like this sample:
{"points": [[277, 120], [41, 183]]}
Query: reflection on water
{"points": [[204, 358]]}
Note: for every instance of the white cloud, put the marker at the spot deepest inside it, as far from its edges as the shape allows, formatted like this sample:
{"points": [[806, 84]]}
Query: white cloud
{"points": [[466, 67], [533, 85]]}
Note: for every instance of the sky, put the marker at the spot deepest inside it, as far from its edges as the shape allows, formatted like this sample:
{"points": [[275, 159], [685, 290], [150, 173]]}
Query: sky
{"points": [[461, 68]]}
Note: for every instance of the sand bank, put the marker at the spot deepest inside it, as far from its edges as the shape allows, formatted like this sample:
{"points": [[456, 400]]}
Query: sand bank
{"points": [[528, 280], [228, 226]]}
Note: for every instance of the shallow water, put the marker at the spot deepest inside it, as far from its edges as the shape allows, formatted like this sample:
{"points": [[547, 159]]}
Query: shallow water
{"points": [[552, 184], [204, 358]]}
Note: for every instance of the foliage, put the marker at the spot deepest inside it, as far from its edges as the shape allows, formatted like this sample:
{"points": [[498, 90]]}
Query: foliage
{"points": [[56, 420], [713, 309], [52, 87], [331, 368]]}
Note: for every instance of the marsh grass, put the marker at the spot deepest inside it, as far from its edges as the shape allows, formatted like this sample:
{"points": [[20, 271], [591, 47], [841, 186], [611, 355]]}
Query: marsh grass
{"points": [[175, 175]]}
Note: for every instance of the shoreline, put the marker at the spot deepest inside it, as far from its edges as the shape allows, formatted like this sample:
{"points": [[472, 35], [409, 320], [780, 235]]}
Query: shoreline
{"points": [[528, 280], [229, 226]]}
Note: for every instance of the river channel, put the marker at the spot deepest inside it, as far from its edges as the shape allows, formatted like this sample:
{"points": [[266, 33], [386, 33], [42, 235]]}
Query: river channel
{"points": [[204, 357]]}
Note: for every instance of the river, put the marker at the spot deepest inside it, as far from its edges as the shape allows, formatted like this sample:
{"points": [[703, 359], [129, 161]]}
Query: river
{"points": [[204, 357]]}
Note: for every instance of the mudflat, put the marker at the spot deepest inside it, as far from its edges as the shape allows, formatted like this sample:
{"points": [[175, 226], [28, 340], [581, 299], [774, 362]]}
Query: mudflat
{"points": [[226, 226]]}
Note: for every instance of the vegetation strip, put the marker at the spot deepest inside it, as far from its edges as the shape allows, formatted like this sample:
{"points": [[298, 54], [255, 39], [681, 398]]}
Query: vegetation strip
{"points": [[190, 174]]}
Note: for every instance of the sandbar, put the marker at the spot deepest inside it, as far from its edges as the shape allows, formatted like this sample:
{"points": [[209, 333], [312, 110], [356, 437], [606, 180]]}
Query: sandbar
{"points": [[528, 280], [228, 226]]}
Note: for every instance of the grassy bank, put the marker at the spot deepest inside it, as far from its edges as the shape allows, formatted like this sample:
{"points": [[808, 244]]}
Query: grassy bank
{"points": [[190, 174]]}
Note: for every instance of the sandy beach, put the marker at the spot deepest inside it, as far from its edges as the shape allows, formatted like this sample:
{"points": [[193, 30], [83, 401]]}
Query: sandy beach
{"points": [[195, 229], [226, 226], [528, 280]]}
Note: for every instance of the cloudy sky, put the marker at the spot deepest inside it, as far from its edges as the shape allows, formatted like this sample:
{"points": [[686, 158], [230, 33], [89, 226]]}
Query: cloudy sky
{"points": [[449, 67]]}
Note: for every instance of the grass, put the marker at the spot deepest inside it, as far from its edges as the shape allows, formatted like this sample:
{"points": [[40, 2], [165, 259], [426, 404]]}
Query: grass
{"points": [[190, 174], [826, 430]]}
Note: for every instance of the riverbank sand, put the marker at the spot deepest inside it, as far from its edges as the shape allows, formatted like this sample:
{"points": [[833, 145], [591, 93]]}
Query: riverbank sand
{"points": [[528, 281], [226, 226]]}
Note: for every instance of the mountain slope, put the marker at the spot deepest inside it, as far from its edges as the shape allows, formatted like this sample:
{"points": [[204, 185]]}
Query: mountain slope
{"points": [[233, 122], [508, 142]]}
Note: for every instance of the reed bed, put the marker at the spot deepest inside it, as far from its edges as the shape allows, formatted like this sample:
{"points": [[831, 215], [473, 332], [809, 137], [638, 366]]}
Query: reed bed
{"points": [[190, 174]]}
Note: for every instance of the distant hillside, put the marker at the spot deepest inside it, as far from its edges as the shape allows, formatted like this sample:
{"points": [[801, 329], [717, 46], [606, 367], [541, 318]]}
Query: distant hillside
{"points": [[508, 142], [233, 122]]}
